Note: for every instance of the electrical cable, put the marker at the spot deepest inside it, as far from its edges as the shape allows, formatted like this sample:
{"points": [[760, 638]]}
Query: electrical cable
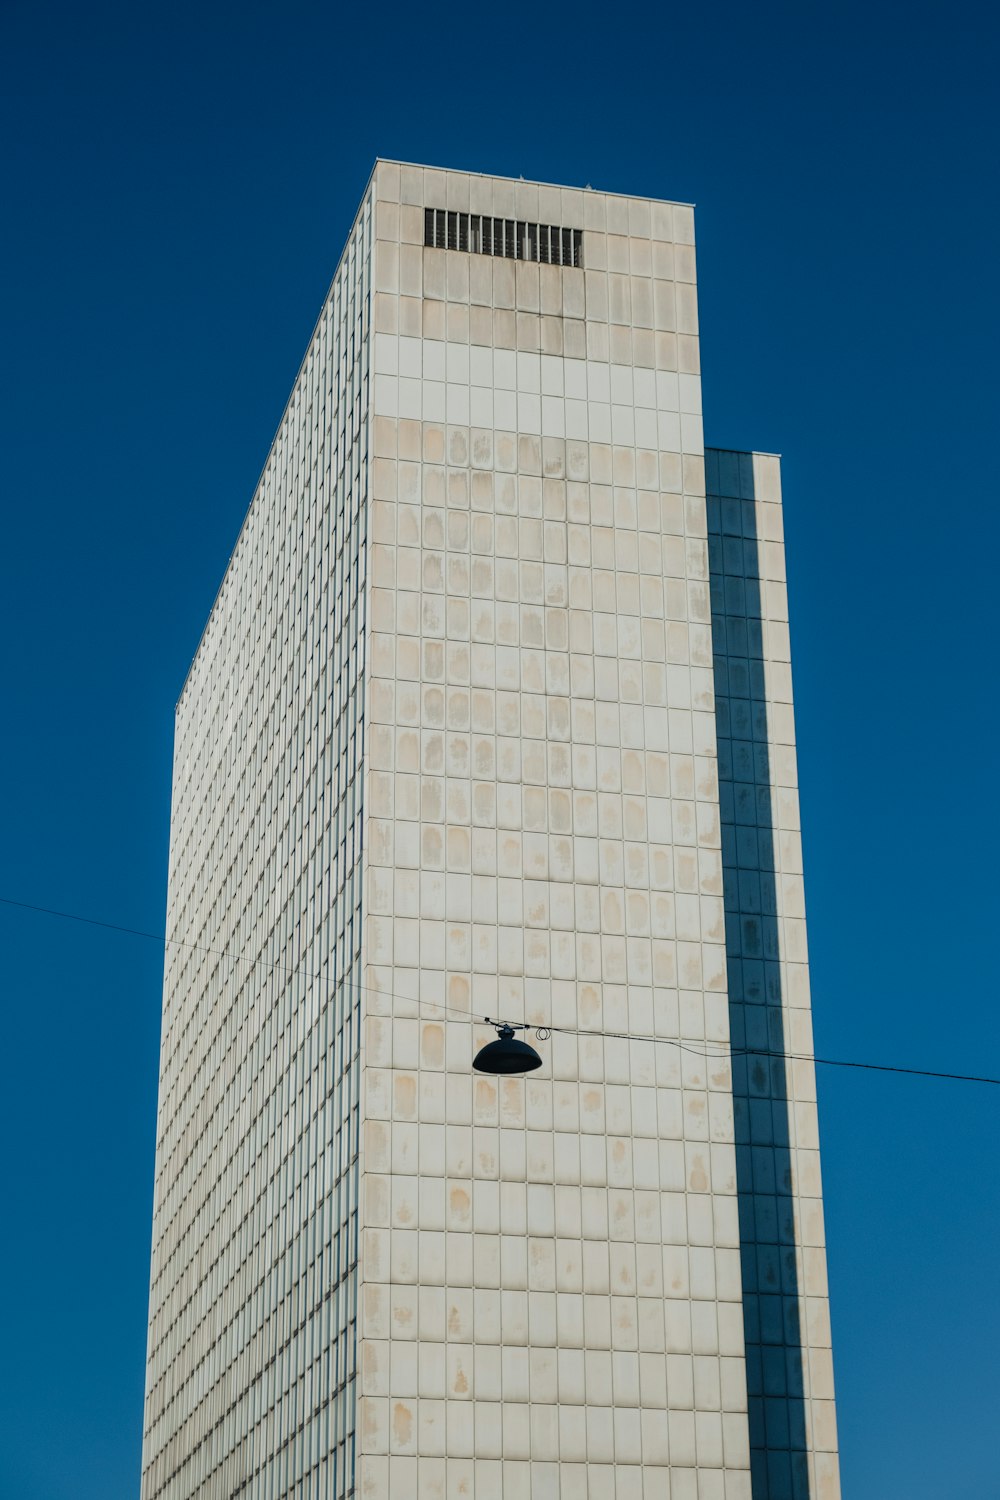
{"points": [[725, 1053]]}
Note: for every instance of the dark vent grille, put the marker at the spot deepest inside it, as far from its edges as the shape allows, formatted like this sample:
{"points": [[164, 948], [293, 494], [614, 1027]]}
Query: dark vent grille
{"points": [[512, 238]]}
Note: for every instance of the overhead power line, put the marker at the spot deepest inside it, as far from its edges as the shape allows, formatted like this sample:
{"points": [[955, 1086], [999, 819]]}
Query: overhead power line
{"points": [[724, 1053]]}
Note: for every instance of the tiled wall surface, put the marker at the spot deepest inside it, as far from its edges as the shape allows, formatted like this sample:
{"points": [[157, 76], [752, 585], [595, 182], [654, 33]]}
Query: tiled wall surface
{"points": [[451, 748], [550, 1282], [789, 1364], [252, 1334]]}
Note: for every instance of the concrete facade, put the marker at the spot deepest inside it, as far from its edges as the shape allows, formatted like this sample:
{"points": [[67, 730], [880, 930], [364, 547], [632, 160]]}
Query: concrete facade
{"points": [[492, 718]]}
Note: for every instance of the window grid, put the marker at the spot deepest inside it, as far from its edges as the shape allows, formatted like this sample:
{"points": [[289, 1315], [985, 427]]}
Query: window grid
{"points": [[253, 1303]]}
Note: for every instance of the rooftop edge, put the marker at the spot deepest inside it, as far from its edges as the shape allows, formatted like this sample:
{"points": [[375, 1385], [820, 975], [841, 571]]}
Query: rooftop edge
{"points": [[392, 161]]}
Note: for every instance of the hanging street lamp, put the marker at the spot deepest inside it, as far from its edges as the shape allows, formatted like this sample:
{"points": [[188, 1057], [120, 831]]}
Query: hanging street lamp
{"points": [[506, 1054]]}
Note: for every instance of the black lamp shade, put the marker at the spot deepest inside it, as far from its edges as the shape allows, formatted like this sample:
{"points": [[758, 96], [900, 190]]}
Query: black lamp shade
{"points": [[506, 1055]]}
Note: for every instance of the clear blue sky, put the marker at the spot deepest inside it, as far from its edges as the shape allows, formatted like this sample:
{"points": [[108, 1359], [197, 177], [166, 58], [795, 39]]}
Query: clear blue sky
{"points": [[178, 181]]}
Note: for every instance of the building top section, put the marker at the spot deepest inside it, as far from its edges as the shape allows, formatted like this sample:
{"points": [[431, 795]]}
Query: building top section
{"points": [[540, 270], [534, 202], [559, 187]]}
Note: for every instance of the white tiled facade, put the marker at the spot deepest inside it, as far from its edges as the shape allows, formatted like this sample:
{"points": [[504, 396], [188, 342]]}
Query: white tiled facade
{"points": [[479, 725]]}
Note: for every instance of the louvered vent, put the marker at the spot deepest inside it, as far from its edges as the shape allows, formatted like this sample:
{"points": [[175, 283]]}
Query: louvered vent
{"points": [[514, 239]]}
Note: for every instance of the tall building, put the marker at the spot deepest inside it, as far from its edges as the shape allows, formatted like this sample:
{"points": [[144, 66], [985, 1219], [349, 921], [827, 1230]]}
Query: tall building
{"points": [[492, 717]]}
